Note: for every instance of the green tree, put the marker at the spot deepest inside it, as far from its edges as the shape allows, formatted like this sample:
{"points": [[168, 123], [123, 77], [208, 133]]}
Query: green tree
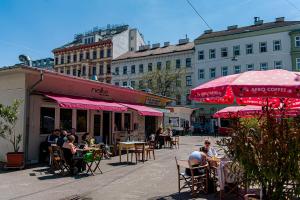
{"points": [[8, 120]]}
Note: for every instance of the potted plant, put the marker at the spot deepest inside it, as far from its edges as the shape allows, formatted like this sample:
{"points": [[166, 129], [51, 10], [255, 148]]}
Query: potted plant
{"points": [[8, 120]]}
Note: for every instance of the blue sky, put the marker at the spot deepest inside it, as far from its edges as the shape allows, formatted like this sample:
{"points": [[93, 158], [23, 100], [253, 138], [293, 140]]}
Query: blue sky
{"points": [[35, 27]]}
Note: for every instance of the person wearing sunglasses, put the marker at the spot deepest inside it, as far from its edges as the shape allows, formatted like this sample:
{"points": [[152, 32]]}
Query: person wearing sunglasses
{"points": [[210, 151]]}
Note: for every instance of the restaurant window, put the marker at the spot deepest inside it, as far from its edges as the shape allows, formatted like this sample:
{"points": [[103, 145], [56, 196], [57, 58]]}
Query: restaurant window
{"points": [[108, 53], [178, 99], [81, 121], [149, 67], [68, 59], [212, 72], [188, 80], [297, 41], [108, 69], [118, 122], [201, 74], [94, 54], [224, 71], [117, 71], [224, 52], [178, 63], [263, 66], [80, 56], [74, 72], [94, 71], [249, 48], [65, 119], [277, 64], [127, 121], [87, 55], [141, 68], [262, 47], [212, 53], [276, 45], [188, 62], [101, 71], [200, 55], [132, 84], [250, 67], [124, 83], [236, 50], [125, 70], [168, 65], [47, 120], [237, 69], [101, 53], [133, 69], [75, 57], [158, 65]]}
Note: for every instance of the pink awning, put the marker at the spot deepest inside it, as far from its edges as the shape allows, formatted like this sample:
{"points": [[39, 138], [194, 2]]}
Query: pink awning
{"points": [[83, 103], [144, 110]]}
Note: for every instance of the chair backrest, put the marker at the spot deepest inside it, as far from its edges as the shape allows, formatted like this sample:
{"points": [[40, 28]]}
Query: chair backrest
{"points": [[139, 146], [151, 144], [67, 155], [198, 167], [182, 164]]}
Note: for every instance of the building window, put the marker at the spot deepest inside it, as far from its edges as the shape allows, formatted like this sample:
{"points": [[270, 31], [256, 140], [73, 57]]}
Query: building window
{"points": [[178, 99], [62, 59], [101, 71], [236, 50], [263, 66], [62, 70], [168, 65], [81, 121], [68, 71], [224, 71], [178, 63], [68, 58], [150, 83], [94, 72], [127, 121], [108, 53], [297, 41], [187, 100], [118, 121], [141, 84], [298, 63], [277, 64], [125, 70], [117, 83], [237, 69], [201, 74], [124, 83], [79, 73], [212, 53], [212, 72], [108, 69], [158, 65], [80, 56], [200, 55], [94, 54], [74, 72], [74, 57], [87, 55], [117, 71], [101, 53], [249, 48], [47, 119], [141, 68], [188, 80], [132, 84], [188, 62], [276, 45], [262, 47], [56, 60], [149, 67], [65, 119], [250, 67], [224, 52], [83, 71], [133, 69]]}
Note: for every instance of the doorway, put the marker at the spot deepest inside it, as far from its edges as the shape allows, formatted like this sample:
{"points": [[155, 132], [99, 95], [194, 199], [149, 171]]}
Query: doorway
{"points": [[97, 125], [150, 125], [106, 127]]}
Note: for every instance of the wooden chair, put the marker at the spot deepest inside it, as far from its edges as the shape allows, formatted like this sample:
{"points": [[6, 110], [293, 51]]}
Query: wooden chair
{"points": [[196, 183], [150, 148], [57, 159], [139, 149], [175, 141]]}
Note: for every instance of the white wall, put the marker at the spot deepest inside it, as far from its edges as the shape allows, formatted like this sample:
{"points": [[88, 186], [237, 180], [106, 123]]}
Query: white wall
{"points": [[12, 86], [256, 58], [120, 43]]}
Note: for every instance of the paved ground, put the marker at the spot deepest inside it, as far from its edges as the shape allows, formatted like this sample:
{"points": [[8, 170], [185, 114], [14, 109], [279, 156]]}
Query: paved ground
{"points": [[155, 179]]}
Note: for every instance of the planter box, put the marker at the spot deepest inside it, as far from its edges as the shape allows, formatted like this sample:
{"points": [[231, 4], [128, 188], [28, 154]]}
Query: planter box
{"points": [[15, 160]]}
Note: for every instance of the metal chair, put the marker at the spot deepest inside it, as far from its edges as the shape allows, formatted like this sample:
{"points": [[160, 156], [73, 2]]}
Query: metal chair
{"points": [[175, 141]]}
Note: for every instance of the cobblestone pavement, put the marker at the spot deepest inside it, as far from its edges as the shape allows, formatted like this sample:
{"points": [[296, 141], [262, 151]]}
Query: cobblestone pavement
{"points": [[155, 179]]}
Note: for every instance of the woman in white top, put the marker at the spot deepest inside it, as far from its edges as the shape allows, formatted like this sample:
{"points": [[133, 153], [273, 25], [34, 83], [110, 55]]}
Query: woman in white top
{"points": [[210, 151]]}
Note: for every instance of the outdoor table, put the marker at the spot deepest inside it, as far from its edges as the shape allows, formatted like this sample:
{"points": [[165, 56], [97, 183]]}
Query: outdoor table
{"points": [[127, 146]]}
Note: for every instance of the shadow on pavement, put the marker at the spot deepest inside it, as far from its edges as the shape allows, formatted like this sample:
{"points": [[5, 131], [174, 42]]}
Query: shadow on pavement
{"points": [[183, 196]]}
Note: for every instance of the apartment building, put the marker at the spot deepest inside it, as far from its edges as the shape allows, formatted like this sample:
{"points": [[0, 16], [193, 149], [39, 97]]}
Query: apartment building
{"points": [[90, 54], [132, 69], [261, 46]]}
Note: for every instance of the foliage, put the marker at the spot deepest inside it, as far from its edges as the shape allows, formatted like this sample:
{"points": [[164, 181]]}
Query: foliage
{"points": [[8, 120], [268, 150]]}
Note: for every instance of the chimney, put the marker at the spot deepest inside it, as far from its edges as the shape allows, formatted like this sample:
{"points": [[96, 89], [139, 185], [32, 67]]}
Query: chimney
{"points": [[166, 44], [183, 41], [232, 27], [279, 19], [156, 45], [208, 31], [258, 21]]}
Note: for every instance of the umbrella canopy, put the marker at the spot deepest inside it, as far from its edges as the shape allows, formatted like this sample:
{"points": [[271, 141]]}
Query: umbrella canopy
{"points": [[251, 111], [260, 88]]}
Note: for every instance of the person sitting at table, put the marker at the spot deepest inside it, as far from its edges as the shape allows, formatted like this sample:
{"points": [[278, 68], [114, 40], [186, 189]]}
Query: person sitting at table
{"points": [[159, 140], [75, 162], [73, 132], [62, 138], [196, 158], [52, 139], [87, 139], [210, 151], [168, 133]]}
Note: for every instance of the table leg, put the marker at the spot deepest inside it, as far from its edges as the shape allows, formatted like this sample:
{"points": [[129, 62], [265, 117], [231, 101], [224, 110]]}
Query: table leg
{"points": [[120, 151], [127, 155]]}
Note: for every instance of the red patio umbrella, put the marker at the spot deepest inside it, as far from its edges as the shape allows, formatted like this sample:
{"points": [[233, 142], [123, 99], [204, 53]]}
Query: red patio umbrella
{"points": [[260, 88], [251, 111]]}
